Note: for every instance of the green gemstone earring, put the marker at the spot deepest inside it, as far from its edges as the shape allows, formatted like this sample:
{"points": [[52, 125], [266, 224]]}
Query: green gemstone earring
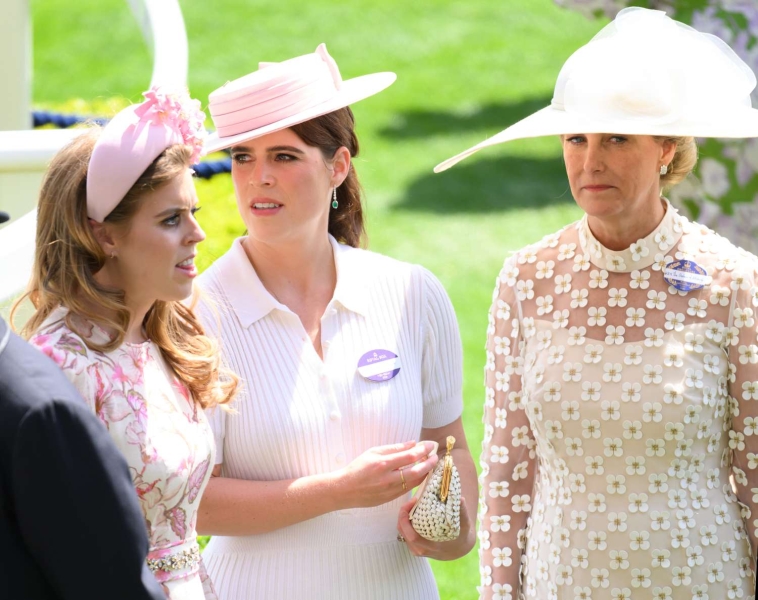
{"points": [[335, 204]]}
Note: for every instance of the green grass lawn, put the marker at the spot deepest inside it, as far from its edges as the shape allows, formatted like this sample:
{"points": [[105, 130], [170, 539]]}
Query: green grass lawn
{"points": [[465, 70]]}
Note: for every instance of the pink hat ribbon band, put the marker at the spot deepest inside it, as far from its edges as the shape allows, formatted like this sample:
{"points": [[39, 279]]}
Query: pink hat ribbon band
{"points": [[276, 92], [275, 109], [263, 120], [275, 88]]}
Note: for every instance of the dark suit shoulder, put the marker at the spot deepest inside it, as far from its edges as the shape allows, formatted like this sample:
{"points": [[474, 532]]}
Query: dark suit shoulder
{"points": [[65, 492], [28, 380]]}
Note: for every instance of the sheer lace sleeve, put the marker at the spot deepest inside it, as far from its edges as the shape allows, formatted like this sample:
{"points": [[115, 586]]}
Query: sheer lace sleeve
{"points": [[742, 407], [508, 456]]}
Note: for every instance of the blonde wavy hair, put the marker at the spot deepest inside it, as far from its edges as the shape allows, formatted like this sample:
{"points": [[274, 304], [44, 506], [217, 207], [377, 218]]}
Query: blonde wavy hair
{"points": [[68, 256]]}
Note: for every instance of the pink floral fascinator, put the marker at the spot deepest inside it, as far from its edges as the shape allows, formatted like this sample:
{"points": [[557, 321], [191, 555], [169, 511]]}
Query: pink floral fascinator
{"points": [[134, 138]]}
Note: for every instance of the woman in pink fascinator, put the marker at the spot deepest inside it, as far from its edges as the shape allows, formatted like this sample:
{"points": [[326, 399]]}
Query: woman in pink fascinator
{"points": [[348, 358], [116, 240]]}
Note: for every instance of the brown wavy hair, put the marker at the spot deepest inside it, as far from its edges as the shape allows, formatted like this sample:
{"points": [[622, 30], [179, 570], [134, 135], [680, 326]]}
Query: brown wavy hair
{"points": [[68, 256], [328, 133]]}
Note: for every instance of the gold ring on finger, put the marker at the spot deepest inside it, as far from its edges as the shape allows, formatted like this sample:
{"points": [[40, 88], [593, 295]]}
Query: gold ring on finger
{"points": [[402, 480]]}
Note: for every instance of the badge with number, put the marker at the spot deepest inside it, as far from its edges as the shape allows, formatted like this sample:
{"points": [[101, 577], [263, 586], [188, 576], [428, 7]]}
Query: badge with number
{"points": [[379, 365]]}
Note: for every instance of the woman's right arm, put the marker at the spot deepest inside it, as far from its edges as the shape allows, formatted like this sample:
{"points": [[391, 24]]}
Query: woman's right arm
{"points": [[508, 455], [241, 507]]}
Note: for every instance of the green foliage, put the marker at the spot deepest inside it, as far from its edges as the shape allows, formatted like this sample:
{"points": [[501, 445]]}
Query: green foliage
{"points": [[684, 9], [736, 192], [466, 70]]}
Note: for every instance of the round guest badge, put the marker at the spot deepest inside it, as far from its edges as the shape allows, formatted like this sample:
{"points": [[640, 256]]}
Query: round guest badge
{"points": [[686, 275], [379, 365]]}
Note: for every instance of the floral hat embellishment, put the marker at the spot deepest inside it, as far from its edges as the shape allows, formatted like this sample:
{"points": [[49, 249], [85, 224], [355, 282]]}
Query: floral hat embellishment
{"points": [[134, 138], [176, 110]]}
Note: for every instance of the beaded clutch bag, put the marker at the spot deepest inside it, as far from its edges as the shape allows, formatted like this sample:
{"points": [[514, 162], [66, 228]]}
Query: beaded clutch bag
{"points": [[436, 516]]}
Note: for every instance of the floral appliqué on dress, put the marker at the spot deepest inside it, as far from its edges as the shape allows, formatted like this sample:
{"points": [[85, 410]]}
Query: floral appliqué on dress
{"points": [[619, 410]]}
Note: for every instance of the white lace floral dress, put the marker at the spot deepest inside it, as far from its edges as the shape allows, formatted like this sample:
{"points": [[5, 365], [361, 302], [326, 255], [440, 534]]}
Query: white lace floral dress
{"points": [[618, 408], [163, 434]]}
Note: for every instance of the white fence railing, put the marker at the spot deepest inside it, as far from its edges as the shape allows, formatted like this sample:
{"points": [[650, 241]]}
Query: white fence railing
{"points": [[25, 154]]}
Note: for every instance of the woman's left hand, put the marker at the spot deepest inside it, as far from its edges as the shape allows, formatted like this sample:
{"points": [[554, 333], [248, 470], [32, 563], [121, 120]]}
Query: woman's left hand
{"points": [[437, 550]]}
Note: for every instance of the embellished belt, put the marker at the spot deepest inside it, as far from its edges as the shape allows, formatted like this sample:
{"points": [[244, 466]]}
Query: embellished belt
{"points": [[189, 558]]}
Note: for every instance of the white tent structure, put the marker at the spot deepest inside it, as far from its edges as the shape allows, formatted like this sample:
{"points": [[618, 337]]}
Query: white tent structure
{"points": [[25, 153]]}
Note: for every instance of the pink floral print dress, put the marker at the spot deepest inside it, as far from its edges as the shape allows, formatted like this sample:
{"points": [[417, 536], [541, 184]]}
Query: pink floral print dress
{"points": [[163, 434]]}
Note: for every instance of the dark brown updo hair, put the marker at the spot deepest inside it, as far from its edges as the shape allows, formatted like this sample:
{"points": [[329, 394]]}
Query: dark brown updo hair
{"points": [[328, 133]]}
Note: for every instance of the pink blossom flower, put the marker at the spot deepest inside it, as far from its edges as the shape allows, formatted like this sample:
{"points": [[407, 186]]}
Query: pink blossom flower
{"points": [[177, 111]]}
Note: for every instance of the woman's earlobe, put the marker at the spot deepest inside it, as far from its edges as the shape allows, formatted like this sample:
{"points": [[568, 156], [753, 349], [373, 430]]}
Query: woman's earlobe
{"points": [[671, 149], [103, 236], [342, 163]]}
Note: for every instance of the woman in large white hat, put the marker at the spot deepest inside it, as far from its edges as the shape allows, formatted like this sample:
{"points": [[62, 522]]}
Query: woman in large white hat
{"points": [[347, 357], [621, 417]]}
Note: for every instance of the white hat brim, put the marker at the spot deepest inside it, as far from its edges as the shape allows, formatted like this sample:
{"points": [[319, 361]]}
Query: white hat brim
{"points": [[351, 90], [733, 123]]}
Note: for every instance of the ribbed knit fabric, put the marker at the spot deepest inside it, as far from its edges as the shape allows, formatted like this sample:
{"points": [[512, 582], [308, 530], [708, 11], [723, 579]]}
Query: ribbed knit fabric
{"points": [[299, 415]]}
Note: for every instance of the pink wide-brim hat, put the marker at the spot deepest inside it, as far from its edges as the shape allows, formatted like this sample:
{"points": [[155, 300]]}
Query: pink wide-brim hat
{"points": [[280, 95], [644, 74], [133, 139]]}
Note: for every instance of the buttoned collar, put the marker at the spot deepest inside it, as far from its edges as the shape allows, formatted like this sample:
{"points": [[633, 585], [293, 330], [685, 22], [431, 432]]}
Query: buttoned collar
{"points": [[251, 301], [642, 253]]}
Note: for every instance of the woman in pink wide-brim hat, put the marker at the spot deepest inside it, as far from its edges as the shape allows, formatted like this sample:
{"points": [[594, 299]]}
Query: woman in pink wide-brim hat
{"points": [[314, 471]]}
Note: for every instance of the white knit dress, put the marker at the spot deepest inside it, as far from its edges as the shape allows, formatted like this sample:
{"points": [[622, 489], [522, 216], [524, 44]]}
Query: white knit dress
{"points": [[299, 416]]}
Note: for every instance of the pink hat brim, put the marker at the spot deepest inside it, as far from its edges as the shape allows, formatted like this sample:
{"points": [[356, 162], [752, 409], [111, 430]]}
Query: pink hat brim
{"points": [[351, 90]]}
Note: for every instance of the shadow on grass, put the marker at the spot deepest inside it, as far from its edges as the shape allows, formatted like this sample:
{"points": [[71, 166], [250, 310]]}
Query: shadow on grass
{"points": [[488, 118], [488, 186]]}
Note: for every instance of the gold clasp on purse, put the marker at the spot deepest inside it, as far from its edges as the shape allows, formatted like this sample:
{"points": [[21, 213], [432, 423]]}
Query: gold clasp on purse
{"points": [[447, 472]]}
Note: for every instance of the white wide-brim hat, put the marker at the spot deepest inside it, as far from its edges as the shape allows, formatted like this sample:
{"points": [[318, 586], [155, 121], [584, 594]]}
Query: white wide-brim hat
{"points": [[280, 95], [644, 74]]}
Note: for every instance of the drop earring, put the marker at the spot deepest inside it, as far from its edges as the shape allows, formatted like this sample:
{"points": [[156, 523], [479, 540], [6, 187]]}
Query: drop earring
{"points": [[335, 204], [664, 169]]}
